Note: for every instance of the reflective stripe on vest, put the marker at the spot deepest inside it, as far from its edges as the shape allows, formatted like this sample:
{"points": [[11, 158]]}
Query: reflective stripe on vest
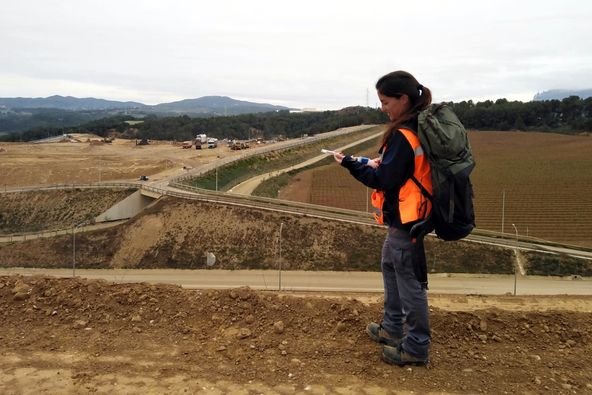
{"points": [[413, 205]]}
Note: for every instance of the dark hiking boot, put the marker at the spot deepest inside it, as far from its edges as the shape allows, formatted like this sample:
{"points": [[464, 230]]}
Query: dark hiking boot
{"points": [[398, 356], [380, 335]]}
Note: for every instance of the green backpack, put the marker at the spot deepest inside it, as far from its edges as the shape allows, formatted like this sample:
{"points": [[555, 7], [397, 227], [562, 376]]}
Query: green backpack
{"points": [[446, 146]]}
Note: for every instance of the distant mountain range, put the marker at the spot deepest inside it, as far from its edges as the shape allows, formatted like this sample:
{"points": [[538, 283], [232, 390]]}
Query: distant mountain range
{"points": [[207, 105], [66, 103], [559, 94]]}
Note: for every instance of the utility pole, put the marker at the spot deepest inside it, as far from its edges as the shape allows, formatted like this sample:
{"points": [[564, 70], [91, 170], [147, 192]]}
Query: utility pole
{"points": [[280, 261], [74, 251], [100, 163], [503, 209], [74, 247], [516, 263]]}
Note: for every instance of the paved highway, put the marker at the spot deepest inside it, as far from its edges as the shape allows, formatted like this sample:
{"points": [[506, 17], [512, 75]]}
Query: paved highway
{"points": [[323, 281]]}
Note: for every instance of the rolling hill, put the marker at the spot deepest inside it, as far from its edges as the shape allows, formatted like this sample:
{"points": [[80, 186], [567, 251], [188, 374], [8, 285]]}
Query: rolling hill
{"points": [[66, 103], [19, 114], [211, 105]]}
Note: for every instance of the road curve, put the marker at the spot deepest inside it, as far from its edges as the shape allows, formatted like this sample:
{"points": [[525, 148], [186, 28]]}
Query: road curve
{"points": [[247, 187]]}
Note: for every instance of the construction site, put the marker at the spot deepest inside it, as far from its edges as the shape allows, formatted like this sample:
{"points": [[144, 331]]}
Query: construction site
{"points": [[134, 304]]}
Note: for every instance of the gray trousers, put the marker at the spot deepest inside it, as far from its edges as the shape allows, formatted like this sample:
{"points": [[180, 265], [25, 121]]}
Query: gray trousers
{"points": [[405, 300]]}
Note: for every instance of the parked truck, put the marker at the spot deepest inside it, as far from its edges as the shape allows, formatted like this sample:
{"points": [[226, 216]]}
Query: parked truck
{"points": [[201, 139], [238, 145], [212, 143]]}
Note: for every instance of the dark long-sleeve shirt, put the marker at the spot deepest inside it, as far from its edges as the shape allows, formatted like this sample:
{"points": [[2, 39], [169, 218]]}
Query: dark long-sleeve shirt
{"points": [[396, 167]]}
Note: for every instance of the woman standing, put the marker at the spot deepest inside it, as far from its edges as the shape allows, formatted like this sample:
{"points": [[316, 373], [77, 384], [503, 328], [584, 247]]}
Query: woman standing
{"points": [[396, 177]]}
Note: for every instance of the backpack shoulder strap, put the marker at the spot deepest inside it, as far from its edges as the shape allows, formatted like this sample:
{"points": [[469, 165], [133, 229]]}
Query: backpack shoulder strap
{"points": [[421, 187], [411, 135]]}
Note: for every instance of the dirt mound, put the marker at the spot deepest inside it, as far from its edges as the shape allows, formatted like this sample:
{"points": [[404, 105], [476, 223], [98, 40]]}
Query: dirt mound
{"points": [[81, 335]]}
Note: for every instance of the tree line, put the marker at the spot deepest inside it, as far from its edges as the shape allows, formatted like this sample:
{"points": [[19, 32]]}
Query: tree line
{"points": [[50, 119], [570, 115], [261, 125]]}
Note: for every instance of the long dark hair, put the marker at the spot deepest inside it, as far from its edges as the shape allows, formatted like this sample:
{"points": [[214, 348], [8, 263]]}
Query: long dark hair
{"points": [[397, 84]]}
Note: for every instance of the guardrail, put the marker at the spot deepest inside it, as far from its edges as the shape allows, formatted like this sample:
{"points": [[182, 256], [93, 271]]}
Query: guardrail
{"points": [[9, 238], [106, 185], [34, 235], [268, 201], [299, 208]]}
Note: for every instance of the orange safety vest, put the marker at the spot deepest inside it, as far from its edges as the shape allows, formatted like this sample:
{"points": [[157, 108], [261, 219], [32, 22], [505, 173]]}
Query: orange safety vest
{"points": [[413, 205]]}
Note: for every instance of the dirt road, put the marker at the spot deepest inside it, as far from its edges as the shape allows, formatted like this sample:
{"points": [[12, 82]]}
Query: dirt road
{"points": [[292, 280], [247, 187]]}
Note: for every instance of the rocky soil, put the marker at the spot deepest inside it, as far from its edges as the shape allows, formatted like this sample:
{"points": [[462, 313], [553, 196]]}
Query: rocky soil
{"points": [[76, 335]]}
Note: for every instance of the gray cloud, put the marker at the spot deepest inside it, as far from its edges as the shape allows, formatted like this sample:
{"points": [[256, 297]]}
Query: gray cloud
{"points": [[308, 54]]}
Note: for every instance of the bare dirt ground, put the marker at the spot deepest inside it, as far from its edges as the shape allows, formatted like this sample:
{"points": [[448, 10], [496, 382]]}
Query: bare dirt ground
{"points": [[299, 189], [86, 160], [76, 335]]}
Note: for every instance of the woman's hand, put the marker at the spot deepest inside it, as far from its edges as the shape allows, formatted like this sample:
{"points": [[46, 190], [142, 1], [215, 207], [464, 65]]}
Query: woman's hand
{"points": [[338, 157], [374, 163]]}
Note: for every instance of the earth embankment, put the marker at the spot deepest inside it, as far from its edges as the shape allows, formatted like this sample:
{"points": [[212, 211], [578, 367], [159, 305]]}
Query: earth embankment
{"points": [[177, 233], [76, 335]]}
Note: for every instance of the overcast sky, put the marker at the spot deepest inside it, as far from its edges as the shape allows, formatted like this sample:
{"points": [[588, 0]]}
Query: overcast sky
{"points": [[319, 54]]}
